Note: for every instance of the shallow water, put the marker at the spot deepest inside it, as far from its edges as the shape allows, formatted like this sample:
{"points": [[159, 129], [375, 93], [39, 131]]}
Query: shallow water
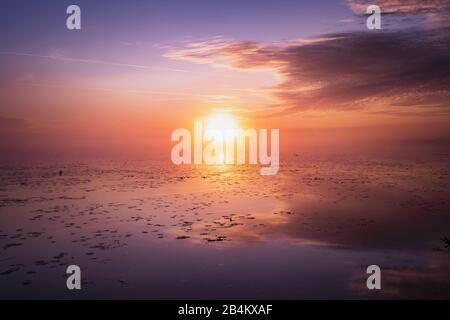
{"points": [[146, 229]]}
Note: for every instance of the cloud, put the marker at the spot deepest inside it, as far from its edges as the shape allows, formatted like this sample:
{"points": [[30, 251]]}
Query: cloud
{"points": [[57, 56], [391, 70], [437, 12], [12, 123], [402, 6]]}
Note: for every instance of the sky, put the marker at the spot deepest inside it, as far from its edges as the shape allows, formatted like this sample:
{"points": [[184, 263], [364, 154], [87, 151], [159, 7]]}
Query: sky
{"points": [[139, 69]]}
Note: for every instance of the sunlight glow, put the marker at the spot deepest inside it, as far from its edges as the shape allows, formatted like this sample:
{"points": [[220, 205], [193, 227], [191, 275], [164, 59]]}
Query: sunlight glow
{"points": [[221, 122], [224, 123]]}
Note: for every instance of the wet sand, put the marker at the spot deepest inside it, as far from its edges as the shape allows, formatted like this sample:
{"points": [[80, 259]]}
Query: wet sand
{"points": [[146, 229]]}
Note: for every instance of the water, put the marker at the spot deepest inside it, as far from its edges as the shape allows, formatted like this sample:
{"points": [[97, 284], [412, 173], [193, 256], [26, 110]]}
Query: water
{"points": [[148, 229]]}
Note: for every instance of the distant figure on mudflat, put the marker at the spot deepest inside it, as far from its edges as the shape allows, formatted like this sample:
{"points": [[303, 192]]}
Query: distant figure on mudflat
{"points": [[60, 173]]}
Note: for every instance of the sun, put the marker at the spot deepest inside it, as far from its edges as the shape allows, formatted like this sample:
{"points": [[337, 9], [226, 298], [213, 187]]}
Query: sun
{"points": [[221, 122], [224, 123]]}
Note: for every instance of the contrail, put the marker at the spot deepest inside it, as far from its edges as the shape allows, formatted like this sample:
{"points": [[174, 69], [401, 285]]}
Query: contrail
{"points": [[115, 64], [153, 92]]}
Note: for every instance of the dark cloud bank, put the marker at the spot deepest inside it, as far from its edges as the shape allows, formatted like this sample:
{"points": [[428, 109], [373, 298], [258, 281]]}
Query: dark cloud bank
{"points": [[396, 70]]}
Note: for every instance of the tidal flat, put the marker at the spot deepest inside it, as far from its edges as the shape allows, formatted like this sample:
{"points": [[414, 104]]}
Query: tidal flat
{"points": [[149, 229]]}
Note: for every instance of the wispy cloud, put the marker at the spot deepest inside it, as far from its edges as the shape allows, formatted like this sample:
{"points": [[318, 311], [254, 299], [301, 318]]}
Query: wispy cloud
{"points": [[172, 94], [89, 61], [13, 123]]}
